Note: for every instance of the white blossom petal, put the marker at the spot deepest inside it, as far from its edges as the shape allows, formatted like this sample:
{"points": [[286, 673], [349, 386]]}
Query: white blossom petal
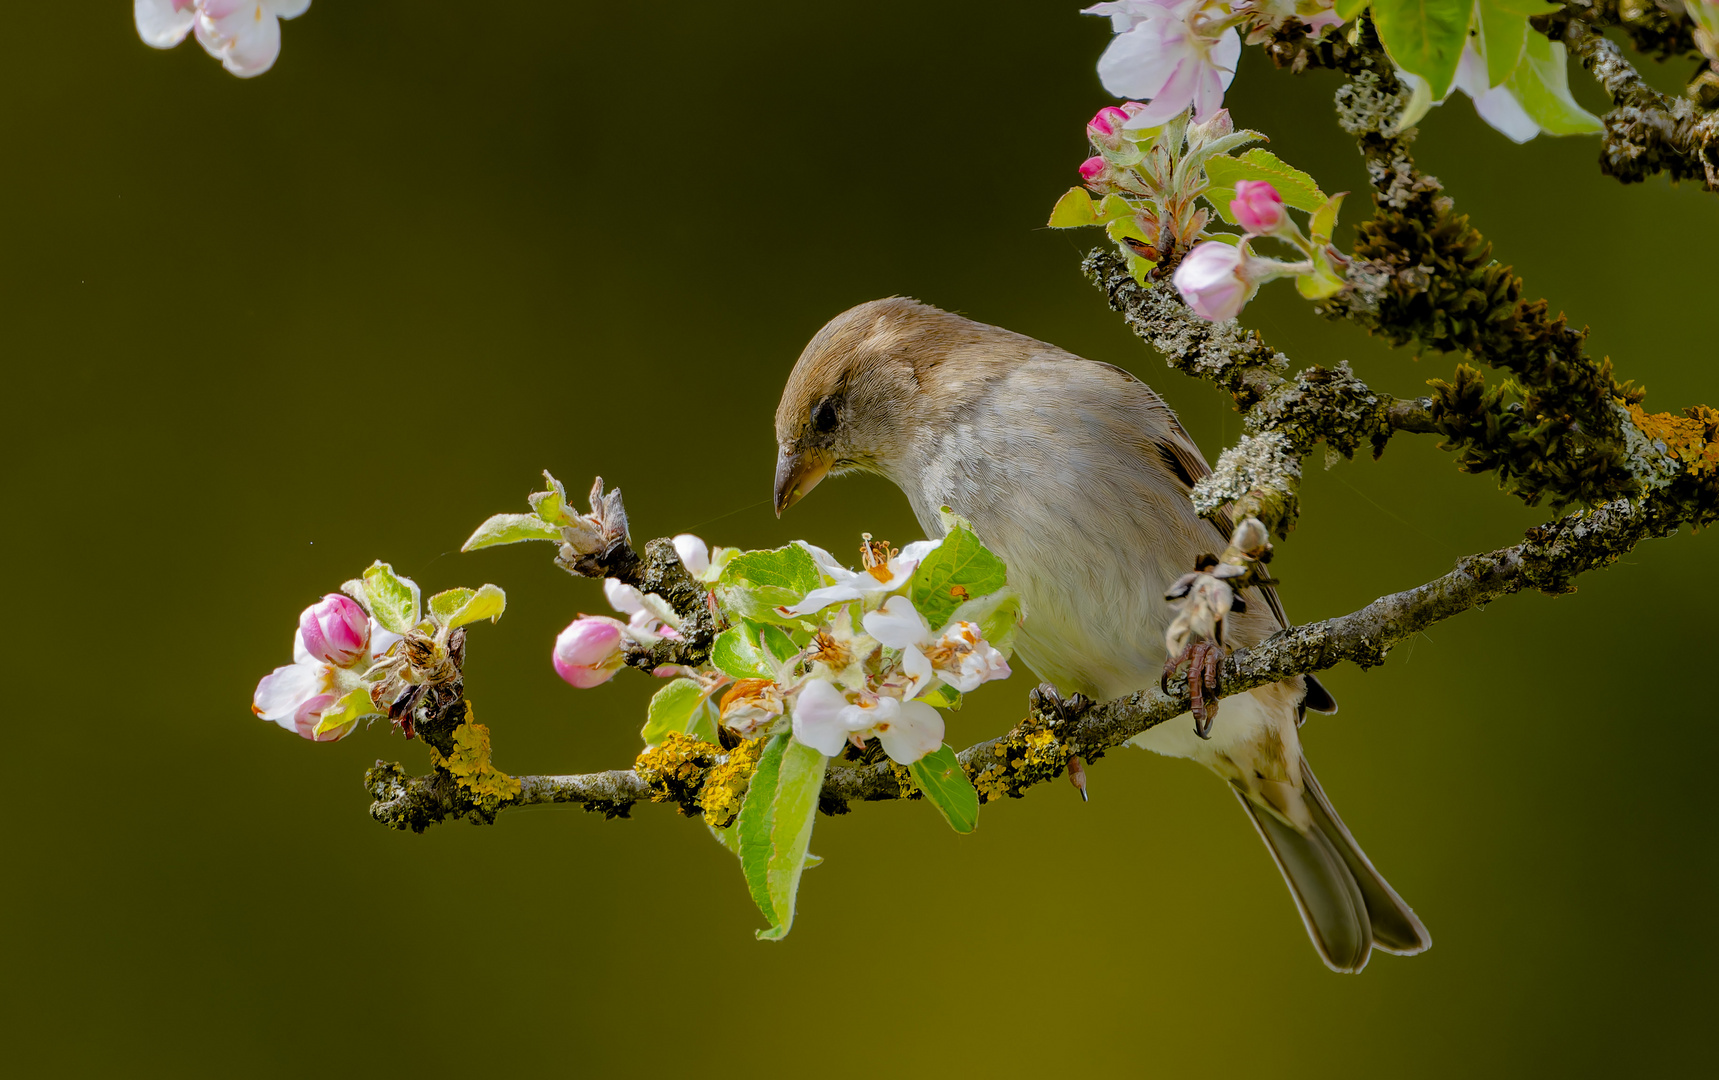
{"points": [[623, 597], [694, 555], [818, 717], [281, 692], [915, 729], [1141, 62], [163, 24], [818, 599], [897, 624]]}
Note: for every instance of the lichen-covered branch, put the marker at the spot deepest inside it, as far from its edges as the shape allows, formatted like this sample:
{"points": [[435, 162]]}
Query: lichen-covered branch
{"points": [[702, 778], [1647, 132]]}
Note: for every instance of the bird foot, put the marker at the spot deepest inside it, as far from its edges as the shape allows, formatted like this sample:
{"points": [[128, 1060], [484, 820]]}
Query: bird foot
{"points": [[1048, 704], [1204, 660]]}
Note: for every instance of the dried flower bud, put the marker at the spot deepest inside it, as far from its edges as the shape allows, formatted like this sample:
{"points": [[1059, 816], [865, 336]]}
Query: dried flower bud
{"points": [[588, 652], [751, 707], [1257, 207], [335, 630]]}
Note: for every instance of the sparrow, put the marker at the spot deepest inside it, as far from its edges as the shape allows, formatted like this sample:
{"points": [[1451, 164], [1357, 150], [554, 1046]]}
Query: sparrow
{"points": [[1078, 476]]}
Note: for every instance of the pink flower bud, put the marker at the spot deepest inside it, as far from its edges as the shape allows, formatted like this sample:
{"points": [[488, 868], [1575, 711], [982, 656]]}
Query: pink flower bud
{"points": [[588, 652], [1212, 279], [1105, 128], [1091, 169], [335, 630], [1257, 207]]}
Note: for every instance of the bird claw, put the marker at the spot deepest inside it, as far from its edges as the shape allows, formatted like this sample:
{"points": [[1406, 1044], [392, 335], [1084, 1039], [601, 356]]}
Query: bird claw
{"points": [[1204, 661], [1047, 702]]}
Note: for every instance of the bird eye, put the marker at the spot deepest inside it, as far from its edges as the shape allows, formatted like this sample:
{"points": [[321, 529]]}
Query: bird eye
{"points": [[824, 416]]}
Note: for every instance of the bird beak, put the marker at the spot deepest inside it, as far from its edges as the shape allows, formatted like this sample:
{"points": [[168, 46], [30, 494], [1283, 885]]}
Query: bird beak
{"points": [[797, 474]]}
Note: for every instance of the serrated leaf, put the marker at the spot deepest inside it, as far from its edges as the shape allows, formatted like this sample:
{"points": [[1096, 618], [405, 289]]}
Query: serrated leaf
{"points": [[944, 783], [487, 602], [1114, 208], [1541, 84], [510, 529], [775, 825], [1348, 9], [755, 583], [393, 599], [1296, 187], [346, 712], [736, 654], [961, 569], [684, 706], [549, 506], [1425, 37], [1073, 210]]}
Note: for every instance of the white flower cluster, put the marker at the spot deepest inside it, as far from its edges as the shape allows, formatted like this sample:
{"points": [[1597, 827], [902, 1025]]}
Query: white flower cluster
{"points": [[245, 35]]}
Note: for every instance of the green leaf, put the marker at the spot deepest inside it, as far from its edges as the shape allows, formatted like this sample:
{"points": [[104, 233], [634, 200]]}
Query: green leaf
{"points": [[511, 529], [1348, 9], [1114, 208], [461, 607], [942, 696], [728, 838], [1324, 220], [1220, 198], [683, 705], [755, 583], [1127, 227], [1541, 84], [393, 599], [1504, 31], [1073, 210], [1425, 37], [1296, 187], [736, 652], [961, 569], [346, 712], [775, 825], [945, 785]]}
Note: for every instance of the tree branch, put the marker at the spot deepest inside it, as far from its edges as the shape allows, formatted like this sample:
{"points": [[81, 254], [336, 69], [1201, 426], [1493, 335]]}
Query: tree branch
{"points": [[1647, 132]]}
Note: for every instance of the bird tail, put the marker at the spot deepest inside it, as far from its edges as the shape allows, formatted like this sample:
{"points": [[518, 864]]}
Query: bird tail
{"points": [[1347, 907]]}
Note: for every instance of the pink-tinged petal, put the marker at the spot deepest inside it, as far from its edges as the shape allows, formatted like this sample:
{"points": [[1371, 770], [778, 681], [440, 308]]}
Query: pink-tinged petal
{"points": [[1499, 108], [163, 24], [623, 597], [335, 630], [694, 555], [1225, 55], [897, 624], [818, 717], [309, 714], [287, 9], [1257, 207], [1210, 280], [280, 693], [243, 34], [1176, 95], [588, 652], [1208, 94], [1141, 62], [916, 730]]}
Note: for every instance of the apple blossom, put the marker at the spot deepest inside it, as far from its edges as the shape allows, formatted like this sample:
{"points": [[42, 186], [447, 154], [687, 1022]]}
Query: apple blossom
{"points": [[645, 614], [335, 630], [959, 656], [1213, 281], [588, 652], [884, 573], [245, 35], [1165, 51], [823, 718], [1258, 207], [297, 695]]}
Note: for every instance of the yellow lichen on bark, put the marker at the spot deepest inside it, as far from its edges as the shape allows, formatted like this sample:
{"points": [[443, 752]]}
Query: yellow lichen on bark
{"points": [[471, 767], [725, 785], [1692, 438]]}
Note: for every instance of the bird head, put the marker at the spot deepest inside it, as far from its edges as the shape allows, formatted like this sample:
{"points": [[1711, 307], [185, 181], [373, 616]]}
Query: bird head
{"points": [[850, 396]]}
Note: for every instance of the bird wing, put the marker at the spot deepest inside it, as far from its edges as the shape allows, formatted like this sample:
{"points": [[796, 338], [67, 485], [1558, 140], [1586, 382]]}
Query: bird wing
{"points": [[1183, 458]]}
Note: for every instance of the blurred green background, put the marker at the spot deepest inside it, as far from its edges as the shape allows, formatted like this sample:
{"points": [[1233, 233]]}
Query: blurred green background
{"points": [[260, 333]]}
